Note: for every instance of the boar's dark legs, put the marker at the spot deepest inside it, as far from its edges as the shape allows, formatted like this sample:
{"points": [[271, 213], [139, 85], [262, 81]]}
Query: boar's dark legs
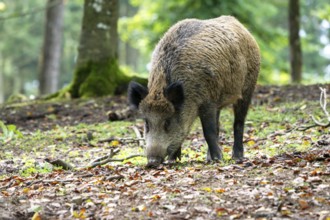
{"points": [[209, 116], [240, 111], [208, 157]]}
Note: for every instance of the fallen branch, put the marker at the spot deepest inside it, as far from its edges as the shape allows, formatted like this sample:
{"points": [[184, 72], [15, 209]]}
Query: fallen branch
{"points": [[323, 104], [60, 163], [126, 158], [110, 155], [118, 177], [121, 140], [138, 135], [109, 158]]}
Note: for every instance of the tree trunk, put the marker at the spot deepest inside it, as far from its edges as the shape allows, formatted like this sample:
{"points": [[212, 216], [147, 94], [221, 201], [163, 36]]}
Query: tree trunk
{"points": [[51, 54], [128, 55], [97, 72], [294, 39]]}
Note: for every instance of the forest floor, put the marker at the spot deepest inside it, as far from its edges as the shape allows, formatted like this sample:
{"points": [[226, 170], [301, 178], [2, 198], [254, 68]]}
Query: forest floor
{"points": [[286, 174]]}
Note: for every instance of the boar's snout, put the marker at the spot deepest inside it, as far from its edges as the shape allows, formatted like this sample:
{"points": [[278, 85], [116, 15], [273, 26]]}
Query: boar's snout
{"points": [[153, 162]]}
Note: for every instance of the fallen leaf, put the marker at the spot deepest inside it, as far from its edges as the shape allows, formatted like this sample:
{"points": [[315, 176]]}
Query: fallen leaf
{"points": [[155, 198], [114, 143], [26, 190], [36, 216], [251, 143], [303, 204], [207, 189], [221, 211], [220, 190]]}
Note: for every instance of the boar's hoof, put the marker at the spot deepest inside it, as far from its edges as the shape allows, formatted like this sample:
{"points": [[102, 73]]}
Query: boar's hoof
{"points": [[239, 160], [214, 158], [154, 162], [237, 156], [171, 162]]}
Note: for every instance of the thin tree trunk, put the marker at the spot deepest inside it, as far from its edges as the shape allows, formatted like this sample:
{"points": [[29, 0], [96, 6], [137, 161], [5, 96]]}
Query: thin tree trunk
{"points": [[51, 55], [97, 72], [128, 55], [294, 39]]}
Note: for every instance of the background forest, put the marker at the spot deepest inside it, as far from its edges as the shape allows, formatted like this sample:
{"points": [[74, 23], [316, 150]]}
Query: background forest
{"points": [[141, 24]]}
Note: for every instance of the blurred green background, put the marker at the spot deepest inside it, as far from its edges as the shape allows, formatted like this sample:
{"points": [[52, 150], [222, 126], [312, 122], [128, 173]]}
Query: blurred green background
{"points": [[143, 22]]}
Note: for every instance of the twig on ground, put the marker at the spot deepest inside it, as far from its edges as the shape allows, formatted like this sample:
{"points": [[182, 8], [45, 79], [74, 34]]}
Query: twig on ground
{"points": [[118, 177], [109, 158], [126, 158], [110, 155], [138, 135], [121, 140], [323, 104]]}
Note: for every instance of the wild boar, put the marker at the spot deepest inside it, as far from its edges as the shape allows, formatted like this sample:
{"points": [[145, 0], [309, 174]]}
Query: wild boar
{"points": [[197, 68]]}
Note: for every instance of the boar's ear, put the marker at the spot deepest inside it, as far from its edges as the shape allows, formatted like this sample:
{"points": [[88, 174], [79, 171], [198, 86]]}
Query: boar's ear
{"points": [[174, 93], [136, 92]]}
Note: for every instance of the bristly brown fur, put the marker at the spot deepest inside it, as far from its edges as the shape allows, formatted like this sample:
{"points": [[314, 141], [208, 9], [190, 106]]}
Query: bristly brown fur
{"points": [[204, 65], [156, 101], [216, 60], [157, 104]]}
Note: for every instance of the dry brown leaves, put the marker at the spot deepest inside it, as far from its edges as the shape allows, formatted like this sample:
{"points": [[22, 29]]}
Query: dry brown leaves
{"points": [[288, 186]]}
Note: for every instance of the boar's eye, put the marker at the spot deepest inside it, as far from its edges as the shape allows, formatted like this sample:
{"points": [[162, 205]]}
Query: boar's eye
{"points": [[146, 124], [167, 125]]}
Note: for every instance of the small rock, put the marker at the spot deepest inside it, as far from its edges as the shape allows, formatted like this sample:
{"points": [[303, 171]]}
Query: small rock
{"points": [[77, 200]]}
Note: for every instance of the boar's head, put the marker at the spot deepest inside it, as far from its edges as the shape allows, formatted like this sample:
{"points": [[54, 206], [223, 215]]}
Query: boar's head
{"points": [[161, 109]]}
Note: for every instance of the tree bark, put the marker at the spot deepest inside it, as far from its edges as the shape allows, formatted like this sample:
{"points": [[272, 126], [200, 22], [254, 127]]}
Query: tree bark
{"points": [[97, 72], [51, 54], [294, 39]]}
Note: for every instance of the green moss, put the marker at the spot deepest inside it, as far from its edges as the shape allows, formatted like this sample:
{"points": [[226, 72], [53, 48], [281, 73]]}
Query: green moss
{"points": [[94, 79]]}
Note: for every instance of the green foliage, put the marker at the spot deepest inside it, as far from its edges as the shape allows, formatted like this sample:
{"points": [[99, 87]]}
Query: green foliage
{"points": [[22, 26], [154, 17], [8, 132], [267, 21], [30, 168], [323, 12]]}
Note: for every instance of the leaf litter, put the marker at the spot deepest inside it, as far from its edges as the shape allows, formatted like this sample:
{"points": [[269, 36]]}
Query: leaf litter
{"points": [[286, 175]]}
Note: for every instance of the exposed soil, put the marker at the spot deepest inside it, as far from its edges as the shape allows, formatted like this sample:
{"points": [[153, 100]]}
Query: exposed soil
{"points": [[34, 116]]}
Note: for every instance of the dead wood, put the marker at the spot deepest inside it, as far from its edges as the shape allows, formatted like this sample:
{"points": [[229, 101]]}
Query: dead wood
{"points": [[323, 104], [138, 135], [109, 158], [121, 140], [60, 163]]}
